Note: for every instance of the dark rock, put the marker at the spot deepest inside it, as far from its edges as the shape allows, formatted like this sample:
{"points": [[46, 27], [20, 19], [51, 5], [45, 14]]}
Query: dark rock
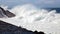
{"points": [[4, 13], [6, 28], [39, 32]]}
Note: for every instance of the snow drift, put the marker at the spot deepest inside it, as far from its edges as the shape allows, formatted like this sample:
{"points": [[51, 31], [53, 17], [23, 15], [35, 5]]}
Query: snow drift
{"points": [[32, 18]]}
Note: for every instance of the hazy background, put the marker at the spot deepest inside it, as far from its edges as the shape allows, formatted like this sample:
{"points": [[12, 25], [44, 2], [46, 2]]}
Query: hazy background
{"points": [[38, 3]]}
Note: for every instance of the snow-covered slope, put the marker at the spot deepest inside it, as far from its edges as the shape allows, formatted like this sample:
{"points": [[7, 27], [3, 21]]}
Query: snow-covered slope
{"points": [[32, 18]]}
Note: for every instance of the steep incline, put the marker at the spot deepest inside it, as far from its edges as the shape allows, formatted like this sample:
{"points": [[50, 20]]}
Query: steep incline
{"points": [[6, 28]]}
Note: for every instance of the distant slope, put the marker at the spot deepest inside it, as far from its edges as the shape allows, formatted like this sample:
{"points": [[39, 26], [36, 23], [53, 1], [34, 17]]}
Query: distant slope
{"points": [[57, 9]]}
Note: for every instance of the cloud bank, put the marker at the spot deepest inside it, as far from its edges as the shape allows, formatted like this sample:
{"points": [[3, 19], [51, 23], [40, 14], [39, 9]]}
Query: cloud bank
{"points": [[32, 18]]}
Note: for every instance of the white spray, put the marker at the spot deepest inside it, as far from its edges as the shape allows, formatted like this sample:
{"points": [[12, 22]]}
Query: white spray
{"points": [[31, 18]]}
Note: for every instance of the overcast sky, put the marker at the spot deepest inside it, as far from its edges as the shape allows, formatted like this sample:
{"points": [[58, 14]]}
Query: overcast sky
{"points": [[39, 3]]}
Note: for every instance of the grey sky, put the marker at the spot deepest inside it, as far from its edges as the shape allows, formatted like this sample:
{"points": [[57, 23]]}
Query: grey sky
{"points": [[39, 3]]}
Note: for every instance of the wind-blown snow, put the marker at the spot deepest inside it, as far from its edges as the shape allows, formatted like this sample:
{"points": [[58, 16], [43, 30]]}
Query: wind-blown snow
{"points": [[32, 18]]}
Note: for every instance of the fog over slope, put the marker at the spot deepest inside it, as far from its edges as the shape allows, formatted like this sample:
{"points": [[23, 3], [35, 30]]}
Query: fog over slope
{"points": [[32, 18]]}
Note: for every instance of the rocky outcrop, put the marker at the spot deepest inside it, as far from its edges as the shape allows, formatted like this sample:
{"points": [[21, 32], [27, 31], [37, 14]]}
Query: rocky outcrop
{"points": [[6, 28], [5, 13]]}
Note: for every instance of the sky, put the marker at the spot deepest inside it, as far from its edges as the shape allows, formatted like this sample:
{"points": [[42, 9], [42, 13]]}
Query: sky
{"points": [[38, 3]]}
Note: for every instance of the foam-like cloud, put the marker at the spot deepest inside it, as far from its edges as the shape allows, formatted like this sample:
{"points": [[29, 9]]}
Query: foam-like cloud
{"points": [[31, 18]]}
